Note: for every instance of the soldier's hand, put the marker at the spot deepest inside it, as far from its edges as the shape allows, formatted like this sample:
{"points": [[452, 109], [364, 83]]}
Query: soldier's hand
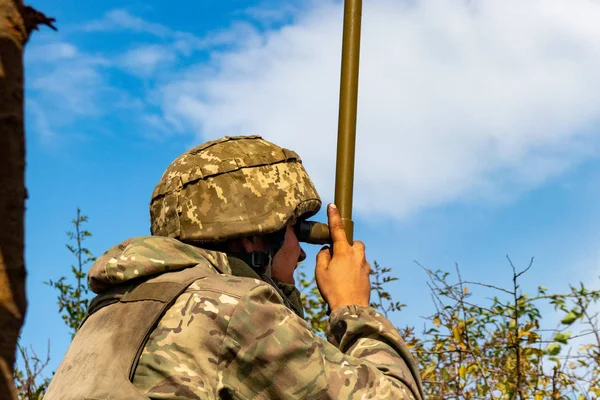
{"points": [[342, 273]]}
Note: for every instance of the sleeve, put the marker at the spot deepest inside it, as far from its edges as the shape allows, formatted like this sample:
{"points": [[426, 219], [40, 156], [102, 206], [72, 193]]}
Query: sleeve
{"points": [[269, 352]]}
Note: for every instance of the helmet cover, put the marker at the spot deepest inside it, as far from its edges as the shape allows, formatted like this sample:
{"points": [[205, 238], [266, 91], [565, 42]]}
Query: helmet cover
{"points": [[232, 187]]}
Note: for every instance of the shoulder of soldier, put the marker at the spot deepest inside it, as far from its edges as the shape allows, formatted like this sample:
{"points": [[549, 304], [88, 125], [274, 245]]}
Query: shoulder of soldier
{"points": [[189, 336], [206, 308], [231, 285], [215, 298]]}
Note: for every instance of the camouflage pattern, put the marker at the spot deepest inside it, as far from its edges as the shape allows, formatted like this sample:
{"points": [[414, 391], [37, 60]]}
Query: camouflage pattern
{"points": [[146, 256], [231, 187], [232, 337]]}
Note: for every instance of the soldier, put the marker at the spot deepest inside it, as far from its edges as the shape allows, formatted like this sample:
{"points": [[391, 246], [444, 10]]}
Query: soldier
{"points": [[206, 307]]}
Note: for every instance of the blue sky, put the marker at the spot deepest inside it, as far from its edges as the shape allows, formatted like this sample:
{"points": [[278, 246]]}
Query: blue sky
{"points": [[477, 131]]}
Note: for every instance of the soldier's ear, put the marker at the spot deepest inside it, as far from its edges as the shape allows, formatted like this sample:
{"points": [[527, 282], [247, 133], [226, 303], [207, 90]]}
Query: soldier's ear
{"points": [[254, 243], [248, 244]]}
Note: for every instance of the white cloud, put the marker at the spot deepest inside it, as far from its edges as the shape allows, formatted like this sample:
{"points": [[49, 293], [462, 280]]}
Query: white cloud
{"points": [[459, 101], [73, 85], [144, 60], [66, 85], [65, 89], [235, 36], [119, 20], [270, 12], [41, 124], [51, 52], [122, 20]]}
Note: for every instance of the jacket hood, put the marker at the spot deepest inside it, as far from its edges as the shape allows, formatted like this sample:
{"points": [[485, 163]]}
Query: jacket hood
{"points": [[145, 256]]}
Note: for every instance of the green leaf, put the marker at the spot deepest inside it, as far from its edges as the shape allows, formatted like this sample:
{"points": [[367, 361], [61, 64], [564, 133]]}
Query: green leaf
{"points": [[569, 318], [562, 337], [553, 349]]}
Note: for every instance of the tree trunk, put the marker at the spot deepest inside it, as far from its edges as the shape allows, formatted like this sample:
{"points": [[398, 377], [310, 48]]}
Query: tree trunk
{"points": [[16, 23]]}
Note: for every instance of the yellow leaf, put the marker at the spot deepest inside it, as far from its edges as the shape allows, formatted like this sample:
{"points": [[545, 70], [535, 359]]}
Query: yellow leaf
{"points": [[436, 321], [428, 371], [462, 371], [457, 330]]}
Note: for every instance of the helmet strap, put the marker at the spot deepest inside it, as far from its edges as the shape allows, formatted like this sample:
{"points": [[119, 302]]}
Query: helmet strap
{"points": [[261, 261]]}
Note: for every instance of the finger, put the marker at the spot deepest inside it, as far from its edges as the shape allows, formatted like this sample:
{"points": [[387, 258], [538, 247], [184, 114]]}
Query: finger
{"points": [[336, 226], [367, 267], [358, 245], [323, 257]]}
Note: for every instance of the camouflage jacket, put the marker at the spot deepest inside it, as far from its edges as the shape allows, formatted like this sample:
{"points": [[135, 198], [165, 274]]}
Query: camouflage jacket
{"points": [[233, 337]]}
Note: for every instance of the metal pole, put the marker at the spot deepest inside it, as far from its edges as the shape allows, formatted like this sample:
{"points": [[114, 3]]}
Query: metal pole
{"points": [[344, 175]]}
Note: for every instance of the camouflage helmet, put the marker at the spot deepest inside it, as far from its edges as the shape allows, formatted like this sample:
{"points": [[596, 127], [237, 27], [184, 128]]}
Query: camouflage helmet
{"points": [[231, 187]]}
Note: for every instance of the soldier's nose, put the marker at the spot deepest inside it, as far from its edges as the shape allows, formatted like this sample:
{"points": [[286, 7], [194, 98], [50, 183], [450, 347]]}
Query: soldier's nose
{"points": [[302, 255]]}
